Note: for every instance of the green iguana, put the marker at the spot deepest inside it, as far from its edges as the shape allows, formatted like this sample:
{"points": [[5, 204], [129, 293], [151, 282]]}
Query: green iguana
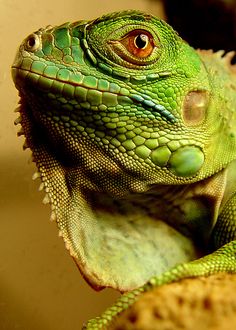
{"points": [[134, 136]]}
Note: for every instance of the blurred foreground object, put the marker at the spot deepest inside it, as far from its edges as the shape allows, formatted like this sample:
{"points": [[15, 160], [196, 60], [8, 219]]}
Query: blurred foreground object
{"points": [[200, 303]]}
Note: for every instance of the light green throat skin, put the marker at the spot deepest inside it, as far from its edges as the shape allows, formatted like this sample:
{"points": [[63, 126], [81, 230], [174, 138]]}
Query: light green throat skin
{"points": [[133, 135]]}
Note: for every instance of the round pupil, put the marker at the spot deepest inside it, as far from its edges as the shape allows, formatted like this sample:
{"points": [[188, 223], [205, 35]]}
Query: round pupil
{"points": [[141, 41]]}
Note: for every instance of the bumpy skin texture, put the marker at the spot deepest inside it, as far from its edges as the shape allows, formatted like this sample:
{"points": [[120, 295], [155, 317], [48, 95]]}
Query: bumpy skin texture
{"points": [[133, 135]]}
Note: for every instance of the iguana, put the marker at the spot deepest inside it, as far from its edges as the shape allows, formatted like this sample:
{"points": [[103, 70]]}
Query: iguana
{"points": [[133, 133]]}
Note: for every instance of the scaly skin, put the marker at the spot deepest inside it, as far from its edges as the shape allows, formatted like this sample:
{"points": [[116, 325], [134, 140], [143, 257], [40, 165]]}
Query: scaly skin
{"points": [[133, 135]]}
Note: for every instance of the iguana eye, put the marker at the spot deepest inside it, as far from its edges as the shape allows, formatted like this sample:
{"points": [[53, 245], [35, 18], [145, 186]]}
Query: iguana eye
{"points": [[138, 48], [139, 43]]}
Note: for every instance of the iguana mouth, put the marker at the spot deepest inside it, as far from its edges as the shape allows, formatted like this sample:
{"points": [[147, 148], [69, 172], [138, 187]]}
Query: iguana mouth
{"points": [[118, 95]]}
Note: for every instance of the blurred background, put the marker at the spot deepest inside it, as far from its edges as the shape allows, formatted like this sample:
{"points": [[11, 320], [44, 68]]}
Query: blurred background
{"points": [[40, 286]]}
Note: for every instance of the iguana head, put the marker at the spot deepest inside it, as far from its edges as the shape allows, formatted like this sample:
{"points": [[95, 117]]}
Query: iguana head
{"points": [[111, 109]]}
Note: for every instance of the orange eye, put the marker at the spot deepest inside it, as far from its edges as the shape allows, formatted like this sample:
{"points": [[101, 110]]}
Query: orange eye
{"points": [[139, 43]]}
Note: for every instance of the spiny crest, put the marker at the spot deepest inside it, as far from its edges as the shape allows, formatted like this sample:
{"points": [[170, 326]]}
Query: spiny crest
{"points": [[228, 58], [37, 174]]}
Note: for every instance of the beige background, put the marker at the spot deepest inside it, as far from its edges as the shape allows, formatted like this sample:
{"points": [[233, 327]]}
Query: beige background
{"points": [[40, 286]]}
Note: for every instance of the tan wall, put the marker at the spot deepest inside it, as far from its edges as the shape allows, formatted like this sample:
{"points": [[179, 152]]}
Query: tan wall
{"points": [[40, 287]]}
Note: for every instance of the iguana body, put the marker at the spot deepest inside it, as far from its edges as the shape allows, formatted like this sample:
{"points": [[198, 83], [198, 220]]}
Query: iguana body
{"points": [[134, 136]]}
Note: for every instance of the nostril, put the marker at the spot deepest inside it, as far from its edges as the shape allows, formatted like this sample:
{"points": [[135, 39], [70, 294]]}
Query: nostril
{"points": [[32, 42]]}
